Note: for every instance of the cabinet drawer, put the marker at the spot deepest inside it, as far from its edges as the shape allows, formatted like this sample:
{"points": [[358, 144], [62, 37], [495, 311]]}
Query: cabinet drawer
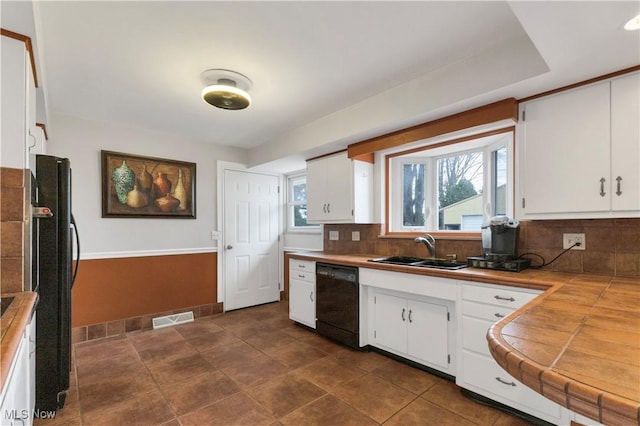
{"points": [[302, 267], [309, 277], [491, 313], [474, 337], [499, 296], [483, 372]]}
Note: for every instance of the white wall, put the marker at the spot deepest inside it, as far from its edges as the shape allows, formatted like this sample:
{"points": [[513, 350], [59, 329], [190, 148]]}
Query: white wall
{"points": [[303, 241], [81, 141]]}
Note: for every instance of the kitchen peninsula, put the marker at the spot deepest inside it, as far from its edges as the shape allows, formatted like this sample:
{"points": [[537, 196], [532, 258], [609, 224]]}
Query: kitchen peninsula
{"points": [[577, 343]]}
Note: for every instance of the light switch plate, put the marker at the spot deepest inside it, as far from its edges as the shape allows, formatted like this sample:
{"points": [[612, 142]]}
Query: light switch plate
{"points": [[334, 235]]}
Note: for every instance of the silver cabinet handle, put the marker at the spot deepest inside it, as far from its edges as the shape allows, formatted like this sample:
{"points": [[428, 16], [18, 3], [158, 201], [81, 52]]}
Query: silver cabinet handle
{"points": [[301, 266], [602, 181], [328, 207], [301, 276], [508, 299], [402, 314], [229, 246], [618, 192], [498, 315], [324, 208], [505, 382], [410, 319], [311, 296]]}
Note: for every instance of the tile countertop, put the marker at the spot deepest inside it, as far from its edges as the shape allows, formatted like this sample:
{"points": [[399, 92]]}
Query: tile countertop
{"points": [[12, 324], [577, 344]]}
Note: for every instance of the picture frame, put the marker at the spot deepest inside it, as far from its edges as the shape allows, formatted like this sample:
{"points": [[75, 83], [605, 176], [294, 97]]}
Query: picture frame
{"points": [[135, 186]]}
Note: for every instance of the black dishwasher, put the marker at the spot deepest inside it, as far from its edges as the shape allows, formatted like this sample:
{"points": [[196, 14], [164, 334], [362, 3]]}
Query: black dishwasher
{"points": [[337, 303]]}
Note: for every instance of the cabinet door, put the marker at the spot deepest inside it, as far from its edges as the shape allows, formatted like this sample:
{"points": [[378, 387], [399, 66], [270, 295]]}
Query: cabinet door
{"points": [[390, 322], [566, 152], [14, 107], [316, 190], [625, 143], [339, 188], [302, 305], [427, 333]]}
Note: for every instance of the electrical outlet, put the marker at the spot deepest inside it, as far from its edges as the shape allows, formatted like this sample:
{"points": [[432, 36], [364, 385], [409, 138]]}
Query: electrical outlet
{"points": [[570, 239], [334, 235], [355, 235], [215, 235]]}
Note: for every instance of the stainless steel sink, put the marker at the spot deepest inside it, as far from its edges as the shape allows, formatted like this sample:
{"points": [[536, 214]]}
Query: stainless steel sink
{"points": [[398, 260], [421, 262]]}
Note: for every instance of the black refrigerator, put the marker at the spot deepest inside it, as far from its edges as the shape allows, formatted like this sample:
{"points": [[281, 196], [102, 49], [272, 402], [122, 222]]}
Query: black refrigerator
{"points": [[53, 275]]}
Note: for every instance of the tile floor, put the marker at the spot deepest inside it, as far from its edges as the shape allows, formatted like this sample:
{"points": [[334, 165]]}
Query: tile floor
{"points": [[254, 367]]}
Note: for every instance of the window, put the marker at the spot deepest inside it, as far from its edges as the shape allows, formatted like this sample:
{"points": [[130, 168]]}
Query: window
{"points": [[297, 204], [451, 186]]}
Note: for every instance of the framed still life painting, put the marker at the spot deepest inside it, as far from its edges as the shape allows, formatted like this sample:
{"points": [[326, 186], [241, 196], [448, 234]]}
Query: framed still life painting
{"points": [[135, 186]]}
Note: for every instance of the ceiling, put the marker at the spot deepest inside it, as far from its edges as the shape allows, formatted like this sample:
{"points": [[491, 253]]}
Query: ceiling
{"points": [[324, 74]]}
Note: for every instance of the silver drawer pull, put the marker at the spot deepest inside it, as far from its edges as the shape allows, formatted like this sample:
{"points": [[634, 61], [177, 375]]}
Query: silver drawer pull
{"points": [[619, 192], [505, 383], [301, 276], [602, 181], [498, 315], [301, 266], [508, 299]]}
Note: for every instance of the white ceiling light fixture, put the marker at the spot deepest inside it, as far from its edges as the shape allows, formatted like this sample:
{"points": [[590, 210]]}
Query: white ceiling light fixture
{"points": [[633, 24], [226, 89]]}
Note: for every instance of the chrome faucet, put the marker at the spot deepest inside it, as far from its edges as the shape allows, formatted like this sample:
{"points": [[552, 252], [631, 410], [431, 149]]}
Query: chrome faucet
{"points": [[429, 242]]}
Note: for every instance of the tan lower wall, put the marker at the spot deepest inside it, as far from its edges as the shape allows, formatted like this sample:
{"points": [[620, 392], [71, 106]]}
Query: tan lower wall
{"points": [[109, 290]]}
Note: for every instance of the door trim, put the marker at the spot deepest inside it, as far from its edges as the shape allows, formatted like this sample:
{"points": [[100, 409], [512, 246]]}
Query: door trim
{"points": [[222, 166]]}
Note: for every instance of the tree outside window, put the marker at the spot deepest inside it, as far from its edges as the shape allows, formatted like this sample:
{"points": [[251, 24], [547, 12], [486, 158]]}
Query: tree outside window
{"points": [[297, 203], [451, 187]]}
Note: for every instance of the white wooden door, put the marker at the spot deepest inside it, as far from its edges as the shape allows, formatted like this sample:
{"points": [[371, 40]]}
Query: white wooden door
{"points": [[390, 318], [339, 188], [427, 334], [250, 239], [316, 191], [625, 143], [567, 152], [302, 305]]}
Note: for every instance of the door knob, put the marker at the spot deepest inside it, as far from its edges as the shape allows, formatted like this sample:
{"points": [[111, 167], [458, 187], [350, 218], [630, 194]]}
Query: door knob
{"points": [[229, 246]]}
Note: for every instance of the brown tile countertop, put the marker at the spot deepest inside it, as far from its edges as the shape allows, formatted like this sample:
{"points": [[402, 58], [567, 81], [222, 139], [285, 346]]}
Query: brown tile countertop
{"points": [[577, 344], [12, 324]]}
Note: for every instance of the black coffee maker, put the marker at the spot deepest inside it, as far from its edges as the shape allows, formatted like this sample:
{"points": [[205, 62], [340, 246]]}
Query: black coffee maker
{"points": [[499, 246]]}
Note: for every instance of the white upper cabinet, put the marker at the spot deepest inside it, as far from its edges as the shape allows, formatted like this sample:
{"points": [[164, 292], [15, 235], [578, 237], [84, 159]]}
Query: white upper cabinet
{"points": [[574, 145], [18, 103], [625, 144], [339, 190]]}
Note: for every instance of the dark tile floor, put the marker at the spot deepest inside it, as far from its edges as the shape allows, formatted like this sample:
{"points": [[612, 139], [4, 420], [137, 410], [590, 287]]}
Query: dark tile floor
{"points": [[254, 367]]}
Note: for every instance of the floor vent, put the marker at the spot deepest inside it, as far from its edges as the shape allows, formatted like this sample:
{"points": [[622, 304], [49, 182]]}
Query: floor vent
{"points": [[175, 319]]}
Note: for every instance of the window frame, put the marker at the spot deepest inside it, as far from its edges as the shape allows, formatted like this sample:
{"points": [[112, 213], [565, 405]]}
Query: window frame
{"points": [[292, 179], [393, 170]]}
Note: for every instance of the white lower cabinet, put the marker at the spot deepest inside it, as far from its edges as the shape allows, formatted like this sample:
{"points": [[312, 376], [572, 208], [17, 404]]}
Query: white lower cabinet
{"points": [[302, 292], [411, 326], [17, 399], [481, 306]]}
